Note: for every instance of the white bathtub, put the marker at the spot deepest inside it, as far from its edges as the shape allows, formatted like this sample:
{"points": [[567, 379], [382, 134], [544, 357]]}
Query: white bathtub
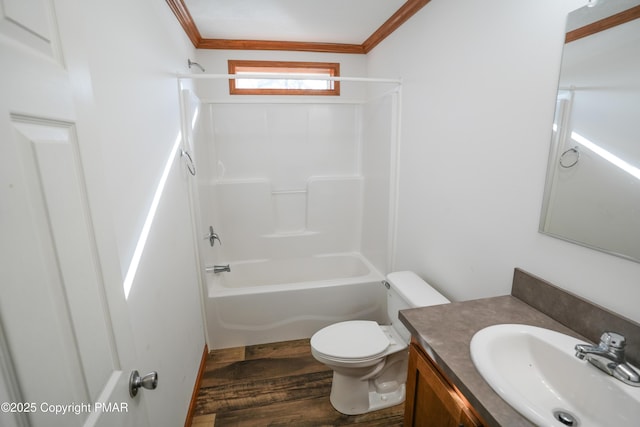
{"points": [[283, 299]]}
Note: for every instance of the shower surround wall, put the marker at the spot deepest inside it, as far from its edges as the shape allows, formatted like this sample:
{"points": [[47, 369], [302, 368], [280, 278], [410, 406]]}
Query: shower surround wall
{"points": [[299, 192], [288, 179]]}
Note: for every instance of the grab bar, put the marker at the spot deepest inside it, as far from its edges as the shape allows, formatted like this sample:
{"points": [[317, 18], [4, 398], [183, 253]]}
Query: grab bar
{"points": [[191, 166], [293, 191]]}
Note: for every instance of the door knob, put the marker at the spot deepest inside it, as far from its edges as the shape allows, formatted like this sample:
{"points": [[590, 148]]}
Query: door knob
{"points": [[149, 381]]}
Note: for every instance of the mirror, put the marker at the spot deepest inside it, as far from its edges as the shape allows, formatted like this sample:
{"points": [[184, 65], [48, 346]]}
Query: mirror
{"points": [[592, 193]]}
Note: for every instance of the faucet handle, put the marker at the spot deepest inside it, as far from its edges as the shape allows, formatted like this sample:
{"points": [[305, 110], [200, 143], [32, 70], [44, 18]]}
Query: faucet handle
{"points": [[212, 236], [613, 340]]}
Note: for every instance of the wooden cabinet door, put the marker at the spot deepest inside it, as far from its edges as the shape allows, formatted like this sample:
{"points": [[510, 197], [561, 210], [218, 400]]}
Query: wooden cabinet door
{"points": [[431, 400]]}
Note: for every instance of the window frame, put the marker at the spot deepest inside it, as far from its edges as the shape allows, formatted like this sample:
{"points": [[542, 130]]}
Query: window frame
{"points": [[284, 67]]}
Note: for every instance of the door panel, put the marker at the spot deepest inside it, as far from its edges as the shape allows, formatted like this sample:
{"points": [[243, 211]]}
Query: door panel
{"points": [[30, 23], [33, 304], [50, 155]]}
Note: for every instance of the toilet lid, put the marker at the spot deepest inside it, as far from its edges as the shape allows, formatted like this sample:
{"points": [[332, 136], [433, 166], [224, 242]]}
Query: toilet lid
{"points": [[355, 339]]}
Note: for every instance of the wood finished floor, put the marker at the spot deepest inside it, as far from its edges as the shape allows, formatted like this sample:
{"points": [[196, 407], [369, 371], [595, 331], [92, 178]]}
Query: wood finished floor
{"points": [[278, 384]]}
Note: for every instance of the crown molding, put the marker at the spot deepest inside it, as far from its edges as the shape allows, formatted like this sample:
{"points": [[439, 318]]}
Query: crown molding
{"points": [[184, 18], [279, 45], [402, 15], [603, 24], [408, 9]]}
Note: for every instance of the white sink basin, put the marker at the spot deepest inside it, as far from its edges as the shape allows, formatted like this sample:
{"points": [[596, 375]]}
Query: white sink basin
{"points": [[536, 372]]}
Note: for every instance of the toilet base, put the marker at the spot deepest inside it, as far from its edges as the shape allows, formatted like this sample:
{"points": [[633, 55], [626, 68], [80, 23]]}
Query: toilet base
{"points": [[349, 398], [385, 400], [355, 394]]}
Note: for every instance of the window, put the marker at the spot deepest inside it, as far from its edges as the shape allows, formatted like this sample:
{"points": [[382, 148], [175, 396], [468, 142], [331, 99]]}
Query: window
{"points": [[284, 85]]}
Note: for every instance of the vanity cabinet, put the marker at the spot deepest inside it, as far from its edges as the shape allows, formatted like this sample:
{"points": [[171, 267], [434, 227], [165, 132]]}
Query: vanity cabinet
{"points": [[432, 401]]}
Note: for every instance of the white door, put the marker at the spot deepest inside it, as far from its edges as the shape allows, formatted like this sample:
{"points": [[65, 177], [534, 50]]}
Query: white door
{"points": [[65, 343]]}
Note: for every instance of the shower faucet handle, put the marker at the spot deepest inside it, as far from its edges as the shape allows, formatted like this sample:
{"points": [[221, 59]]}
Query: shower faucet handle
{"points": [[212, 236]]}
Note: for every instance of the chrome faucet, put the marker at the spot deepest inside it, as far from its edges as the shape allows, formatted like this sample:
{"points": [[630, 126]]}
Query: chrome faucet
{"points": [[218, 269], [608, 356]]}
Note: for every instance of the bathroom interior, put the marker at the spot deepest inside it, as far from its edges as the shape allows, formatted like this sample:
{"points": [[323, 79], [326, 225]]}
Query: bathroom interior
{"points": [[449, 153], [301, 197]]}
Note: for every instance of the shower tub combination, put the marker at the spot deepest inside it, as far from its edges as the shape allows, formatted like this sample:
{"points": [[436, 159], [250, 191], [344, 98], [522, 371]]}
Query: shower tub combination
{"points": [[283, 299], [301, 195]]}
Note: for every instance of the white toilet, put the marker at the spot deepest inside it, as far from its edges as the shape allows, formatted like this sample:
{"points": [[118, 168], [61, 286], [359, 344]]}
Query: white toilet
{"points": [[369, 361]]}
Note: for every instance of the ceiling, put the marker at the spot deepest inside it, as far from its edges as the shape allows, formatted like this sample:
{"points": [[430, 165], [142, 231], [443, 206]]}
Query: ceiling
{"points": [[340, 26], [332, 21]]}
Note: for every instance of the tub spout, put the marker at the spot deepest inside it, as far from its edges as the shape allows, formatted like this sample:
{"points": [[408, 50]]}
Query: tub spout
{"points": [[218, 269]]}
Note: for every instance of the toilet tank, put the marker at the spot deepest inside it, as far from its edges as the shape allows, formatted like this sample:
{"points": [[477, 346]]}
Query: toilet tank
{"points": [[406, 290]]}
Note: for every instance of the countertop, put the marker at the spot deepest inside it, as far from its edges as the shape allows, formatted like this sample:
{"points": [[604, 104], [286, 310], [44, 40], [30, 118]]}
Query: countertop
{"points": [[445, 332]]}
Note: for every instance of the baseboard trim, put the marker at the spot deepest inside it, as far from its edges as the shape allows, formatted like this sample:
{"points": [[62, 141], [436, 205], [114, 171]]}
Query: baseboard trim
{"points": [[196, 387]]}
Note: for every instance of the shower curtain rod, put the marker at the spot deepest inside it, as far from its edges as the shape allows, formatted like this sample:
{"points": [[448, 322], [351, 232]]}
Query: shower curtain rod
{"points": [[286, 76]]}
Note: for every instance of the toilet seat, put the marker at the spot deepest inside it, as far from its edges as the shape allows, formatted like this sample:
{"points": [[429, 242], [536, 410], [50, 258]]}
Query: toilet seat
{"points": [[351, 341]]}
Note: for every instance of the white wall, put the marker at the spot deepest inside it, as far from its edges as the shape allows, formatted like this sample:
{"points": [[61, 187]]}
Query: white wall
{"points": [[123, 57], [478, 98]]}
